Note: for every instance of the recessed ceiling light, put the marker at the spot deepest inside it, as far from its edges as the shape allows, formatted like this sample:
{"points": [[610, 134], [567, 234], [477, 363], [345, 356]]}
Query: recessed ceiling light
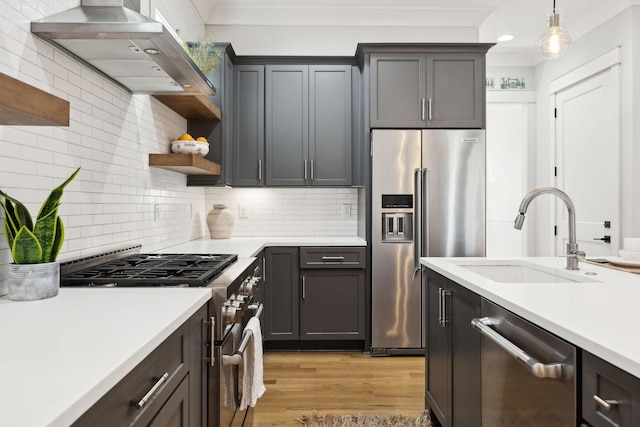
{"points": [[505, 38]]}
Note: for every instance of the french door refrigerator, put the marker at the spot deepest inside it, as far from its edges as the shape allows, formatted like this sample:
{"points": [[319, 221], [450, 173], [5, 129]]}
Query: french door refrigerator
{"points": [[427, 199]]}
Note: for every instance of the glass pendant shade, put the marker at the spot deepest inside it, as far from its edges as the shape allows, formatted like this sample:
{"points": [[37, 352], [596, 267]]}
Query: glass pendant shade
{"points": [[554, 42]]}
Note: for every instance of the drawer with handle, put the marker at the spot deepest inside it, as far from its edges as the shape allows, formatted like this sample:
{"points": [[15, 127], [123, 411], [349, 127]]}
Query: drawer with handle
{"points": [[138, 397], [332, 257], [610, 396]]}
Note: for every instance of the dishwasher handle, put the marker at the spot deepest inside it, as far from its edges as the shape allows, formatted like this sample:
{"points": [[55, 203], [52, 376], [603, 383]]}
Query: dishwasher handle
{"points": [[537, 368]]}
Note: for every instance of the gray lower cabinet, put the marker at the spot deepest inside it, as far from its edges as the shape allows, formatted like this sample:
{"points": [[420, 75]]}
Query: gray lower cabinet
{"points": [[453, 353], [314, 294], [172, 378], [431, 90], [281, 293], [308, 126], [247, 149], [610, 396]]}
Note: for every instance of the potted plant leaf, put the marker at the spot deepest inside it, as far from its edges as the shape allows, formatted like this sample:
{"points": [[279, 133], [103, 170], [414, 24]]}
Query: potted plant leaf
{"points": [[34, 273]]}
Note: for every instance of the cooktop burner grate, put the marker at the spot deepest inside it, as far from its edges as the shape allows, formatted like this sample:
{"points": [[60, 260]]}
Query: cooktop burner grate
{"points": [[152, 270]]}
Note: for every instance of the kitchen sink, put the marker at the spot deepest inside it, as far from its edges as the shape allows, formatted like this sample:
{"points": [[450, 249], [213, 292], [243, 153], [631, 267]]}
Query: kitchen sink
{"points": [[521, 272]]}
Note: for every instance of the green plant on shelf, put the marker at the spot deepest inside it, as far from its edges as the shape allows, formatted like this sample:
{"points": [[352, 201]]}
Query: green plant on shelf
{"points": [[202, 53]]}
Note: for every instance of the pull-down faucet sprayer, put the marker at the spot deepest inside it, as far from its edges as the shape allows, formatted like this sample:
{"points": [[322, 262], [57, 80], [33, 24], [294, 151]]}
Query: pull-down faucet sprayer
{"points": [[573, 254]]}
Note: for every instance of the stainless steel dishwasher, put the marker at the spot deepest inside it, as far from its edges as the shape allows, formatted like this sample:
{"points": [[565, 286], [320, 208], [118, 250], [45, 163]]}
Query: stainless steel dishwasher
{"points": [[528, 376]]}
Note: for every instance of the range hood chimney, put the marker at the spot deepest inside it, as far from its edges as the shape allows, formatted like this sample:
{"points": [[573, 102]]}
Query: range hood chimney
{"points": [[134, 51]]}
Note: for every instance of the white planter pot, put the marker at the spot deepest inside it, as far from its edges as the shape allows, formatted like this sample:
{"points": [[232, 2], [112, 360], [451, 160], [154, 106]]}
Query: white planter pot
{"points": [[28, 282]]}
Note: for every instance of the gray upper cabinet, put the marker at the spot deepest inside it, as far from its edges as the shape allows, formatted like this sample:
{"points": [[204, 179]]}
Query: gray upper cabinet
{"points": [[308, 125], [398, 88], [287, 124], [431, 90], [330, 125], [248, 126], [455, 90]]}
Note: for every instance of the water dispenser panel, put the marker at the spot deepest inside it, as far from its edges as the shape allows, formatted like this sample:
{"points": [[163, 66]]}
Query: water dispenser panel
{"points": [[397, 227], [395, 201]]}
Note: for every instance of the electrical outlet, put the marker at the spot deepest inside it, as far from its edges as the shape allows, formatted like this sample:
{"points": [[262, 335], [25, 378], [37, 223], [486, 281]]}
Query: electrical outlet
{"points": [[346, 211], [242, 212]]}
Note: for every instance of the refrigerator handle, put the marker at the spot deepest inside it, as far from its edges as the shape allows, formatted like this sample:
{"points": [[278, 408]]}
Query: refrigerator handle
{"points": [[424, 214], [417, 220]]}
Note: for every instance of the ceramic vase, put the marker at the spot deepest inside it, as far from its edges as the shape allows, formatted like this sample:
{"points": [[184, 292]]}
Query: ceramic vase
{"points": [[220, 221], [29, 282]]}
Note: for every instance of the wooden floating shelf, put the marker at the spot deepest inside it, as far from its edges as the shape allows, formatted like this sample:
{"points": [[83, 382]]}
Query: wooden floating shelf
{"points": [[24, 105], [196, 107], [188, 164]]}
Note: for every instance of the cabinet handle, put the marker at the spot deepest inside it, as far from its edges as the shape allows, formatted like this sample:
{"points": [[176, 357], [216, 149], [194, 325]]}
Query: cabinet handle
{"points": [[304, 287], [605, 404], [305, 169], [429, 109], [332, 258], [445, 293], [422, 108], [159, 381], [264, 270], [440, 306], [259, 169], [212, 354], [311, 169]]}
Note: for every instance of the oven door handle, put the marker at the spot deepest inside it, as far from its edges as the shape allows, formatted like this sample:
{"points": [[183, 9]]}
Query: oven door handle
{"points": [[537, 368], [236, 357]]}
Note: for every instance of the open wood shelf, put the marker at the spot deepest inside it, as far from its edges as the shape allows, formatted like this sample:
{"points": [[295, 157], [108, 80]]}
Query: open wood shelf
{"points": [[24, 105], [196, 107], [188, 164]]}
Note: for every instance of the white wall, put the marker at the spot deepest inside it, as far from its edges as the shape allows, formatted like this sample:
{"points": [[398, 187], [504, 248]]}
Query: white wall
{"points": [[619, 31], [116, 200], [305, 40]]}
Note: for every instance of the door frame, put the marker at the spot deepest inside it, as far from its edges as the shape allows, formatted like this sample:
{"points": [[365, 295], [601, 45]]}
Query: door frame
{"points": [[608, 61]]}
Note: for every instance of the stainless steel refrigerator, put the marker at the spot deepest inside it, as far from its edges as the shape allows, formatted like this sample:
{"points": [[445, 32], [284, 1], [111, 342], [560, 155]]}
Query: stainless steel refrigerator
{"points": [[427, 199]]}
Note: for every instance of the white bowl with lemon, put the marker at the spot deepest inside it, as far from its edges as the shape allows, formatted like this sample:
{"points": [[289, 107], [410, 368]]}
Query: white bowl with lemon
{"points": [[186, 144]]}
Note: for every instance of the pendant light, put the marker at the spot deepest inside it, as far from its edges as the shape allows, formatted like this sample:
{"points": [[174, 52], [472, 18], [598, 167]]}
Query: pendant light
{"points": [[554, 42]]}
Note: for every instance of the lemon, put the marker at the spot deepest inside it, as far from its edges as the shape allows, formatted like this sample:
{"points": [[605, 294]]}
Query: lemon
{"points": [[185, 137], [201, 139]]}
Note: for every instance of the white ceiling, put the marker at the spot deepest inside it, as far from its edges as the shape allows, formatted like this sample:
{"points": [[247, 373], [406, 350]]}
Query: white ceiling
{"points": [[525, 19]]}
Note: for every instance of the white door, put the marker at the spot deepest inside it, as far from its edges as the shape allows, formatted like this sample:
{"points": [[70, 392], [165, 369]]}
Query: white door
{"points": [[588, 165], [507, 136]]}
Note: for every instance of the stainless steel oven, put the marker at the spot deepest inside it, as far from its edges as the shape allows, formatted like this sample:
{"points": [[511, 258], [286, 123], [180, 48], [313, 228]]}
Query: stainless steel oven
{"points": [[528, 374], [230, 353], [234, 283]]}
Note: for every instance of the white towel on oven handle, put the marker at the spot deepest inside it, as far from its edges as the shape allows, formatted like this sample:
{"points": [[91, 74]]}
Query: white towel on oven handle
{"points": [[252, 376]]}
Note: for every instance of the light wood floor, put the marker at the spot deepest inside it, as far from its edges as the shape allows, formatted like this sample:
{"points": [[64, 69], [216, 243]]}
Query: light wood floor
{"points": [[299, 383]]}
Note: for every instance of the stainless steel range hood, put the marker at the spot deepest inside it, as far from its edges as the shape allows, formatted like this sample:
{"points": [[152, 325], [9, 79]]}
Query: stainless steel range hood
{"points": [[131, 49]]}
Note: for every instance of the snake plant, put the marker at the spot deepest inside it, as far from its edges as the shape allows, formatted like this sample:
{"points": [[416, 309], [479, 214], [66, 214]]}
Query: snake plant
{"points": [[40, 242]]}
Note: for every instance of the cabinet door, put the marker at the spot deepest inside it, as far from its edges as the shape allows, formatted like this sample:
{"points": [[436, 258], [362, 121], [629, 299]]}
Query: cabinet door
{"points": [[438, 350], [398, 91], [330, 125], [332, 305], [281, 293], [466, 364], [287, 124], [248, 125], [455, 90], [602, 384]]}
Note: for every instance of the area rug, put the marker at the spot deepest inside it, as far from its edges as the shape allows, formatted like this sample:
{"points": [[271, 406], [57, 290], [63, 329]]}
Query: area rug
{"points": [[315, 420]]}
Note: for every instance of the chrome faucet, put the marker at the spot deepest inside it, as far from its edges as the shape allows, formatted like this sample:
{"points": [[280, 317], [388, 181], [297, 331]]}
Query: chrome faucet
{"points": [[573, 254]]}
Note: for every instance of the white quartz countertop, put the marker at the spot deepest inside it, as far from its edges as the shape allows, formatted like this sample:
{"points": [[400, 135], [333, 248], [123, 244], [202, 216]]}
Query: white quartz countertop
{"points": [[250, 246], [601, 317], [60, 355]]}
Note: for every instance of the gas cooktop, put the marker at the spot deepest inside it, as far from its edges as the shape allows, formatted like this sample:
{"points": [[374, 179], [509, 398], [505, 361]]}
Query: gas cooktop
{"points": [[152, 270]]}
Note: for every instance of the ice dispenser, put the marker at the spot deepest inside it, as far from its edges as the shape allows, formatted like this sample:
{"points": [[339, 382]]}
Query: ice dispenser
{"points": [[397, 226]]}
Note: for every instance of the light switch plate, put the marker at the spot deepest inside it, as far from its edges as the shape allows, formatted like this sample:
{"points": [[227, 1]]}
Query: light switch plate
{"points": [[346, 211], [242, 212]]}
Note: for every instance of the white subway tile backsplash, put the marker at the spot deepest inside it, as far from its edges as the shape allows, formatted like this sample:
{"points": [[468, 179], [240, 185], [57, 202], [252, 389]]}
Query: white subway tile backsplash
{"points": [[289, 211]]}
